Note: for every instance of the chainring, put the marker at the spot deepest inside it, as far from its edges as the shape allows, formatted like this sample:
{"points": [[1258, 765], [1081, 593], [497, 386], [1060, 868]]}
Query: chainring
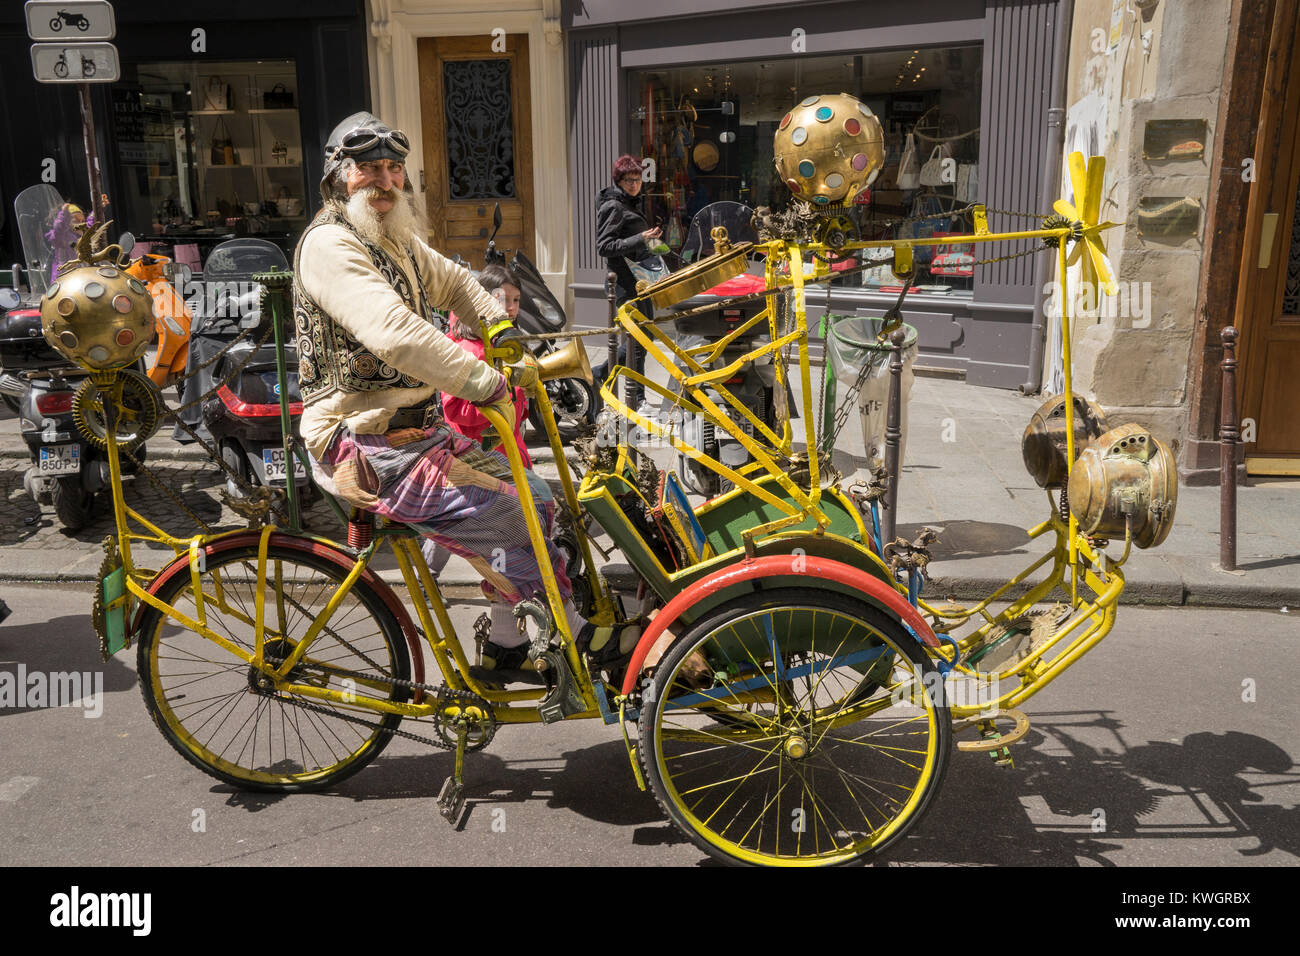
{"points": [[98, 612], [138, 413]]}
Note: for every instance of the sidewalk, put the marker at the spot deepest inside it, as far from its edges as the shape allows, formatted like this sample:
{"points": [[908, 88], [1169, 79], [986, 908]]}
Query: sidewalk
{"points": [[973, 488]]}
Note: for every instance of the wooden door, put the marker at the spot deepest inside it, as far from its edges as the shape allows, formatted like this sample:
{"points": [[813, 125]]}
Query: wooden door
{"points": [[1268, 306], [478, 149]]}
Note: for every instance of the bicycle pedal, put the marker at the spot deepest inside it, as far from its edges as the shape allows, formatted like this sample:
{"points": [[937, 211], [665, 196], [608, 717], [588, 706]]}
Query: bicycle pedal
{"points": [[451, 800]]}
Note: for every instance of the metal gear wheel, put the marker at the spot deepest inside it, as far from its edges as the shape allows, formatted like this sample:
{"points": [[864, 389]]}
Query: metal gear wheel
{"points": [[138, 413], [98, 613], [481, 730]]}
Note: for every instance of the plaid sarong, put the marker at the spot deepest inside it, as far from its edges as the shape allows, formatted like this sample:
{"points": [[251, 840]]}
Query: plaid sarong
{"points": [[446, 487]]}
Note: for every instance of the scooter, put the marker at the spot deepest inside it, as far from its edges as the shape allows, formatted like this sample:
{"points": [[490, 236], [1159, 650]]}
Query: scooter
{"points": [[572, 399], [167, 356], [755, 386], [67, 469], [243, 416]]}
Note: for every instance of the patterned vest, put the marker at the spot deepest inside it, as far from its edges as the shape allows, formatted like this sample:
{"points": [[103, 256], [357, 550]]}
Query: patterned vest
{"points": [[328, 357]]}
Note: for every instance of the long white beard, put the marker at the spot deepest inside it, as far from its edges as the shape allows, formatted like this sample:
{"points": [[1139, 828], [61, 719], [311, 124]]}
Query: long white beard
{"points": [[397, 225]]}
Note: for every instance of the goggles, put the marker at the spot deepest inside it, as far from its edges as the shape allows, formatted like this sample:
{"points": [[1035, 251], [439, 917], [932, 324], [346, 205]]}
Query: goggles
{"points": [[363, 140]]}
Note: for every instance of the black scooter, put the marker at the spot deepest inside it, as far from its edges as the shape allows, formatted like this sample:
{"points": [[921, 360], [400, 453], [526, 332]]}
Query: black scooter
{"points": [[243, 416], [573, 400]]}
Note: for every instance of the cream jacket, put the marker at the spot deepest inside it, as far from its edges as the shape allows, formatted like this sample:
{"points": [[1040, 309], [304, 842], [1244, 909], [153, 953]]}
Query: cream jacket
{"points": [[335, 270]]}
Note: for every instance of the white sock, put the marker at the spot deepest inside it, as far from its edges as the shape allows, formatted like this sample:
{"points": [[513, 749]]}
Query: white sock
{"points": [[505, 630]]}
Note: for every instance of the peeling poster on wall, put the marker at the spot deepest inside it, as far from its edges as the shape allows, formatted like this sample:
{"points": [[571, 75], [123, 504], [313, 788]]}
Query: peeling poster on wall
{"points": [[1116, 24]]}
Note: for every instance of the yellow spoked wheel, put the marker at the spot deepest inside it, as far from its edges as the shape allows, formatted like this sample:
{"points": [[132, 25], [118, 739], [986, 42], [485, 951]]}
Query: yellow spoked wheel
{"points": [[226, 717], [795, 727]]}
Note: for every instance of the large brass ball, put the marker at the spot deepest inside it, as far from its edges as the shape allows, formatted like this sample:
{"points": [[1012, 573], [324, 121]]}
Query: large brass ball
{"points": [[98, 316], [829, 148]]}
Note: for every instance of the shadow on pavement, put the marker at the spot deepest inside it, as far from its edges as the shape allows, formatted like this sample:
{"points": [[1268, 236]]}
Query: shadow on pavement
{"points": [[1196, 789], [61, 645], [970, 539]]}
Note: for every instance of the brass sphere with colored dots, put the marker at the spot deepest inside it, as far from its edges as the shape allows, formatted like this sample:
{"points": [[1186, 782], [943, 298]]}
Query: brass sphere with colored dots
{"points": [[828, 149], [98, 316]]}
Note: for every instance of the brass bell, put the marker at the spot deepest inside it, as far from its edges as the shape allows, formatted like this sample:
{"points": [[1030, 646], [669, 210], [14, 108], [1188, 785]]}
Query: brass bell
{"points": [[1127, 473], [1043, 444], [569, 362]]}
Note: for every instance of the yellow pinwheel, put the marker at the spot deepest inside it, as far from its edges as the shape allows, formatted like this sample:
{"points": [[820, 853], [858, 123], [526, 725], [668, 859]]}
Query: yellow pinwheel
{"points": [[1087, 184]]}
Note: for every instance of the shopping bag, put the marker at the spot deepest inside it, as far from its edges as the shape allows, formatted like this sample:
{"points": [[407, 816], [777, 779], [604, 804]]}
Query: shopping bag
{"points": [[909, 169], [216, 95], [932, 171]]}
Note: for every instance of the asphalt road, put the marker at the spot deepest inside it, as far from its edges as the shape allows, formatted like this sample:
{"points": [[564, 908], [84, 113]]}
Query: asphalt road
{"points": [[1173, 743]]}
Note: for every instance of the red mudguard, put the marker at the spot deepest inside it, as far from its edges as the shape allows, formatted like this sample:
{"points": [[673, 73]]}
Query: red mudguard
{"points": [[874, 590]]}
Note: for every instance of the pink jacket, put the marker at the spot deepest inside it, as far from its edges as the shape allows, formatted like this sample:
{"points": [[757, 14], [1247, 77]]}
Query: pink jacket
{"points": [[464, 416]]}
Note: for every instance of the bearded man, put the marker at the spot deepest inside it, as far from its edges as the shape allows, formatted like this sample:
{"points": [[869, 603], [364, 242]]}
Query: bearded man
{"points": [[372, 364]]}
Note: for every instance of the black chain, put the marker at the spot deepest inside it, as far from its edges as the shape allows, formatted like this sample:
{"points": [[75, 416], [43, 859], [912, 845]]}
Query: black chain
{"points": [[443, 695]]}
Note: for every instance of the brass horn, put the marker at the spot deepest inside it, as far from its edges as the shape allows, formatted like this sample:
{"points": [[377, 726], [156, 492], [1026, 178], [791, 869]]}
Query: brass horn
{"points": [[569, 362]]}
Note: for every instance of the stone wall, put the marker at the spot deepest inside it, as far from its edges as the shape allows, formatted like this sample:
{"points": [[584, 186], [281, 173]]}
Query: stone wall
{"points": [[1132, 355]]}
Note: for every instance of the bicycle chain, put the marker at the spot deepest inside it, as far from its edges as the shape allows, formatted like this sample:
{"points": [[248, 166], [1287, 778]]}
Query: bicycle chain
{"points": [[442, 694]]}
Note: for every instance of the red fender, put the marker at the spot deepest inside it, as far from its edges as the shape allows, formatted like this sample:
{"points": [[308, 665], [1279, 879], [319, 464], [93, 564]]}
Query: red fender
{"points": [[308, 546], [778, 565]]}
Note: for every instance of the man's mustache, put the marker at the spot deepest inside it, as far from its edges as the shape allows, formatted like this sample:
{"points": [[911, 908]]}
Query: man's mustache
{"points": [[379, 192]]}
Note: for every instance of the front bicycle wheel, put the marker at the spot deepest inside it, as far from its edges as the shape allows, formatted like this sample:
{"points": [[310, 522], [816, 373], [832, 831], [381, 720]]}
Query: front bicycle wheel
{"points": [[795, 727], [225, 716]]}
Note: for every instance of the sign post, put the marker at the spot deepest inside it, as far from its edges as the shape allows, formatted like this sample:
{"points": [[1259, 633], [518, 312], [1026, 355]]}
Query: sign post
{"points": [[72, 47]]}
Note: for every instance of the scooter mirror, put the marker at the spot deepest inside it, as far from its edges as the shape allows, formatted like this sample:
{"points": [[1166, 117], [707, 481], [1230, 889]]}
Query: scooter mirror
{"points": [[127, 242], [9, 299], [178, 274], [496, 217]]}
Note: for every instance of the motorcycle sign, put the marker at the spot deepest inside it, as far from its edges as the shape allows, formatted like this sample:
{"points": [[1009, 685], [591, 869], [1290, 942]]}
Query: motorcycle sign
{"points": [[75, 63], [70, 22]]}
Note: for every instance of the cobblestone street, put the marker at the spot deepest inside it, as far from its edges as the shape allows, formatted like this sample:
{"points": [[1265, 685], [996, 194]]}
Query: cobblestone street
{"points": [[26, 527]]}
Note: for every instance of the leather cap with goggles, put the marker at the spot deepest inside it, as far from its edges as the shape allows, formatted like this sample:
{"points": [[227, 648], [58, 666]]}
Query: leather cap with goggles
{"points": [[367, 144], [362, 137]]}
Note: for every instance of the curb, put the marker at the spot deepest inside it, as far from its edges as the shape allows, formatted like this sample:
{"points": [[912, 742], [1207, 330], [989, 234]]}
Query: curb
{"points": [[1136, 594]]}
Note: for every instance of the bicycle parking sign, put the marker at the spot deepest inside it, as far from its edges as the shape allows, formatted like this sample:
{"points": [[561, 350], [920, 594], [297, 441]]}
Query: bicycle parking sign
{"points": [[72, 41]]}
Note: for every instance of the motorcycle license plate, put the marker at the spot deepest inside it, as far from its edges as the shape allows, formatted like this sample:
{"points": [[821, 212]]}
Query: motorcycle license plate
{"points": [[273, 461], [60, 460]]}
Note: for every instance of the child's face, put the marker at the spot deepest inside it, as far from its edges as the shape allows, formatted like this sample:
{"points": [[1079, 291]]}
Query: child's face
{"points": [[508, 296]]}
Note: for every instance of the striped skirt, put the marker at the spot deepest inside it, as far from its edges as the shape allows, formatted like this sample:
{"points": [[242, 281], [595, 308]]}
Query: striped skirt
{"points": [[446, 487]]}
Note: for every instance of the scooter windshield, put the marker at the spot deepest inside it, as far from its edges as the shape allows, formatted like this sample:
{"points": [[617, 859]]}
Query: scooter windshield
{"points": [[537, 307], [37, 211], [238, 259], [736, 217]]}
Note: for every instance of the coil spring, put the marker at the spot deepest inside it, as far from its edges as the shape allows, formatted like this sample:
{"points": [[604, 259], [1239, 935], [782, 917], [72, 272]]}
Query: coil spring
{"points": [[360, 532], [1064, 506]]}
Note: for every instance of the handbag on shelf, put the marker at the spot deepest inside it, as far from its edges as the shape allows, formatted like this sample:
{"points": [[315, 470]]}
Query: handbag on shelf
{"points": [[909, 169], [932, 171], [223, 147], [277, 97], [216, 96]]}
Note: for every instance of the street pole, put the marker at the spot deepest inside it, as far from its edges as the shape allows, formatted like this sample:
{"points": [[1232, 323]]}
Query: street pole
{"points": [[1229, 433], [92, 153], [893, 436]]}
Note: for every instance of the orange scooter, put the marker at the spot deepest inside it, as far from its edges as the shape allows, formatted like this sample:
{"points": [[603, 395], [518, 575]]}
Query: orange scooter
{"points": [[166, 363]]}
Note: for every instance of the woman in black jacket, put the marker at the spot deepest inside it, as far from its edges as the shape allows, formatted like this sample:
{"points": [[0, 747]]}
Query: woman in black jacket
{"points": [[622, 233]]}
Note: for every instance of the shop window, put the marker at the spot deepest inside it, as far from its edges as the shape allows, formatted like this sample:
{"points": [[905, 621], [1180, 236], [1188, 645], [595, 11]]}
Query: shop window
{"points": [[710, 128], [209, 150]]}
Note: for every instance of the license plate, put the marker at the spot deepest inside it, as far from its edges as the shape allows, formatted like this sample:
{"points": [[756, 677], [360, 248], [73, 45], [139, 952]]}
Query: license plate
{"points": [[273, 461], [60, 460]]}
